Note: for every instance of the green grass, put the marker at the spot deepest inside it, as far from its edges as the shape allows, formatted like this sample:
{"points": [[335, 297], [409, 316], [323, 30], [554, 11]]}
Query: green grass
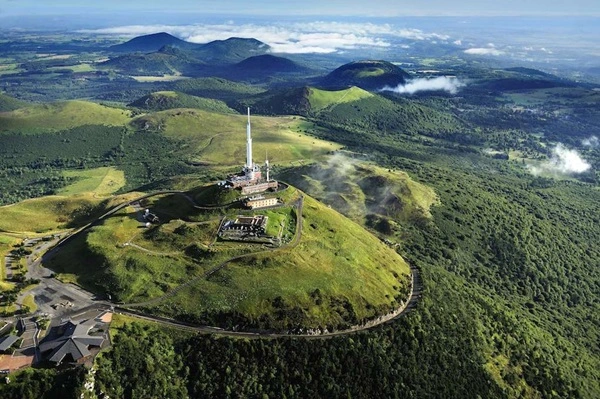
{"points": [[337, 275], [6, 245], [9, 309], [46, 214], [8, 103], [220, 139], [6, 286], [358, 189], [126, 272], [75, 68], [60, 116], [321, 99], [280, 220], [29, 301], [100, 181], [370, 72], [10, 69]]}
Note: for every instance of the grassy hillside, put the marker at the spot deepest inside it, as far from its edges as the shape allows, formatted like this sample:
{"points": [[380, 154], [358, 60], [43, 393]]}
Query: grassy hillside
{"points": [[48, 214], [338, 275], [369, 75], [306, 101], [152, 42], [220, 139], [99, 181], [61, 115], [231, 50], [322, 99], [8, 103], [163, 100], [380, 198]]}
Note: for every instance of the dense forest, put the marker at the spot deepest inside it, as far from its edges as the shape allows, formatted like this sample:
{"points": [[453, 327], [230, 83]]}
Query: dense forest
{"points": [[31, 165]]}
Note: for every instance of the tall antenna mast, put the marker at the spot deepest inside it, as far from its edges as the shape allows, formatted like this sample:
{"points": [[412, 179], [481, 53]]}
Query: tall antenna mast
{"points": [[267, 164], [249, 165]]}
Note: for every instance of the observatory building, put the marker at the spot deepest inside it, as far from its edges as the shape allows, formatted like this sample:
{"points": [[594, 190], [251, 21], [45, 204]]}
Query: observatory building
{"points": [[251, 180]]}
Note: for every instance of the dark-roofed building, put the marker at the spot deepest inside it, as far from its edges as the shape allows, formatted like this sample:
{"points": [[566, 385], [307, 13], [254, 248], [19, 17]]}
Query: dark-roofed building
{"points": [[70, 343], [7, 342]]}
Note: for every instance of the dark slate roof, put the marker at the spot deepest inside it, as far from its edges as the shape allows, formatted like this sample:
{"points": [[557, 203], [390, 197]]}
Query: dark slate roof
{"points": [[74, 341], [7, 342]]}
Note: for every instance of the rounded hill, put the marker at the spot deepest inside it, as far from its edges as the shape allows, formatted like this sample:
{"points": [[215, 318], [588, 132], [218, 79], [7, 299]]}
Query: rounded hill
{"points": [[152, 42], [368, 75], [326, 272], [267, 63]]}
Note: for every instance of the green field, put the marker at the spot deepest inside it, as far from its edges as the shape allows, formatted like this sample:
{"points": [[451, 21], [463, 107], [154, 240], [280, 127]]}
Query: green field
{"points": [[47, 214], [60, 116], [29, 302], [79, 68], [220, 139], [370, 72], [100, 181]]}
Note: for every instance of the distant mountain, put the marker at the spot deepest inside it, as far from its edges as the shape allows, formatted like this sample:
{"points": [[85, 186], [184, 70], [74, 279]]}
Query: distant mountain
{"points": [[268, 63], [167, 61], [232, 50], [217, 88], [163, 100], [524, 83], [368, 75], [158, 46], [8, 103], [530, 72], [262, 68], [149, 43], [521, 78]]}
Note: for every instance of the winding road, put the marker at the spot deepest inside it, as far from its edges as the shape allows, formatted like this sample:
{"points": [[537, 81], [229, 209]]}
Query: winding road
{"points": [[85, 299]]}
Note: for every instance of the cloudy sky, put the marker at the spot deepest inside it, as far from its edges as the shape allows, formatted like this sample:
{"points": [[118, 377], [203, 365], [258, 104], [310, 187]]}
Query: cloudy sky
{"points": [[388, 8]]}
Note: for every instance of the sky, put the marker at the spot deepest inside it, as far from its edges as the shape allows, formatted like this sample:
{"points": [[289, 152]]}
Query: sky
{"points": [[382, 8]]}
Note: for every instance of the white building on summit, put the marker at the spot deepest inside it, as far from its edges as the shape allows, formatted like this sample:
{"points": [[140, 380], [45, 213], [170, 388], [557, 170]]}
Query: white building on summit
{"points": [[251, 181]]}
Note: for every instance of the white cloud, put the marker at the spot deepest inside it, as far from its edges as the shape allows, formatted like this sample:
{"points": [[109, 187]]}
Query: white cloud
{"points": [[458, 42], [417, 34], [448, 84], [592, 141], [562, 161], [483, 51], [309, 37]]}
